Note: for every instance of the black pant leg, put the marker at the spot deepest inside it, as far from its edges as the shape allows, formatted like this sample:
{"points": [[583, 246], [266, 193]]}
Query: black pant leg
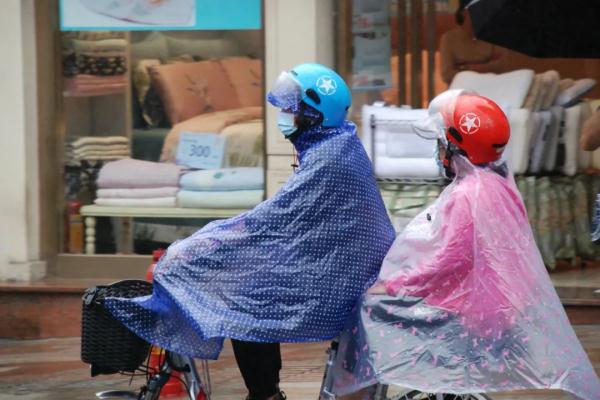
{"points": [[259, 364]]}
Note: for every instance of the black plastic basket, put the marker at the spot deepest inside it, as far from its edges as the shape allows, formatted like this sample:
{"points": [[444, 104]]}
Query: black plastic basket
{"points": [[106, 343]]}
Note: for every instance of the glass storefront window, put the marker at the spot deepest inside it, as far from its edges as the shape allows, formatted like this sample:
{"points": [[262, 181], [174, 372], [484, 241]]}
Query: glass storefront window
{"points": [[161, 124]]}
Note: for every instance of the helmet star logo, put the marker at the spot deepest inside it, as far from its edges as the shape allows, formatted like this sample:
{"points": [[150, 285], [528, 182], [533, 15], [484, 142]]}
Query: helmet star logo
{"points": [[469, 123], [326, 85]]}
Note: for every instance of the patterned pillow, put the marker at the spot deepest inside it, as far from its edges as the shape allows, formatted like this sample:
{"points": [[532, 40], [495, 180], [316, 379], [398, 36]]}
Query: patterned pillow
{"points": [[190, 89]]}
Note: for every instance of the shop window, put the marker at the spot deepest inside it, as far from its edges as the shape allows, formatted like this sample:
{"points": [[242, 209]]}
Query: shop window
{"points": [[158, 124]]}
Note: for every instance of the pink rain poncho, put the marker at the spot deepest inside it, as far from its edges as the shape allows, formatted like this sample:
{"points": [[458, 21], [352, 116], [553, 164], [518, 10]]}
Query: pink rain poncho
{"points": [[464, 303]]}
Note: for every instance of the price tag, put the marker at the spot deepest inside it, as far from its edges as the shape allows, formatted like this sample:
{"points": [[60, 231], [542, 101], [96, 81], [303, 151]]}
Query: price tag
{"points": [[200, 150]]}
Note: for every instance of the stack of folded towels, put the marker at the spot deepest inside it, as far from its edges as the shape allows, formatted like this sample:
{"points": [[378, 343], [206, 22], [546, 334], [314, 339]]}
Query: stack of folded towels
{"points": [[233, 188], [94, 65], [136, 183], [94, 148]]}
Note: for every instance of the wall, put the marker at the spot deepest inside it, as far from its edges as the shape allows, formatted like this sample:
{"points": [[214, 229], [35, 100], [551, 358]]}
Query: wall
{"points": [[19, 178], [295, 32]]}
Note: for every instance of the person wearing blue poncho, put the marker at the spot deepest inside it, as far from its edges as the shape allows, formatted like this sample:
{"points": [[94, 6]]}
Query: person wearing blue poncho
{"points": [[291, 269]]}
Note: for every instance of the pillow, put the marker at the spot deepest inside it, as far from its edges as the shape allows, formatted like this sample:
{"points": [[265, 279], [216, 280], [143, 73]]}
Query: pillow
{"points": [[540, 143], [191, 89], [521, 131], [584, 158], [212, 123], [533, 94], [574, 93], [509, 90], [245, 144], [550, 79], [153, 46], [542, 94], [568, 145], [554, 131], [245, 74], [205, 48]]}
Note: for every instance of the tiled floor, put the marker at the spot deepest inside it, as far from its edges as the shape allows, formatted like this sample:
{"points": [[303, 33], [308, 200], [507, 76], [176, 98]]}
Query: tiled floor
{"points": [[51, 370]]}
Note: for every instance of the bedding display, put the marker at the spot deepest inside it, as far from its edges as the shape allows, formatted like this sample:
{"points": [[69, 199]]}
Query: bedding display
{"points": [[547, 116], [195, 82], [130, 173], [136, 183]]}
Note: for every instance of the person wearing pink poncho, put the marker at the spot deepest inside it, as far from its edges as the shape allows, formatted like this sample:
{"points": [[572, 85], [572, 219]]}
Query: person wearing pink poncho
{"points": [[464, 303]]}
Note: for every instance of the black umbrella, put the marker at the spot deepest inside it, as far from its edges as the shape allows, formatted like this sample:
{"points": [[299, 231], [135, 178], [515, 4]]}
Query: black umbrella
{"points": [[540, 28]]}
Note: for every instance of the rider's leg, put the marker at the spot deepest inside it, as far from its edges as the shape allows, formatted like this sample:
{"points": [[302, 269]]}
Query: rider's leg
{"points": [[259, 364]]}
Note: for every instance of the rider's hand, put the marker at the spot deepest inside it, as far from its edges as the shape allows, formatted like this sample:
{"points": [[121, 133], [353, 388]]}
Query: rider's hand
{"points": [[377, 288]]}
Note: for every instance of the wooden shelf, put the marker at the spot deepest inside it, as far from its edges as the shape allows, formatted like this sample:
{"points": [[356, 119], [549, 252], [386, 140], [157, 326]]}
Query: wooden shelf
{"points": [[158, 212]]}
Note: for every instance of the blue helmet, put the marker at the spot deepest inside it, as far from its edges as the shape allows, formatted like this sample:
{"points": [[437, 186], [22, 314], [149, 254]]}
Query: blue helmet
{"points": [[316, 85]]}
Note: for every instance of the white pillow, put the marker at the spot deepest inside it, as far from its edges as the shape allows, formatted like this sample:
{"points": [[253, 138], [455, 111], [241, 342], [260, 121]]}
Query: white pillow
{"points": [[574, 93], [521, 130], [509, 90]]}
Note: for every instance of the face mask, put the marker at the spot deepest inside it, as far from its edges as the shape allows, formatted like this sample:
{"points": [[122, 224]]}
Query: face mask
{"points": [[286, 123]]}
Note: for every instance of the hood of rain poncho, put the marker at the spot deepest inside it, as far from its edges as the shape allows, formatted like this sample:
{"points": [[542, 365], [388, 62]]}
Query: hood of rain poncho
{"points": [[468, 306], [291, 269]]}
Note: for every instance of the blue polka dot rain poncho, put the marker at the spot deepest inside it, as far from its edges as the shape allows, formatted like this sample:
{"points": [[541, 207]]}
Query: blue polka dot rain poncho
{"points": [[289, 270]]}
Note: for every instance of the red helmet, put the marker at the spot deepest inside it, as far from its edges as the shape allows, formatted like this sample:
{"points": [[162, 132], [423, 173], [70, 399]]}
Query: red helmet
{"points": [[477, 126]]}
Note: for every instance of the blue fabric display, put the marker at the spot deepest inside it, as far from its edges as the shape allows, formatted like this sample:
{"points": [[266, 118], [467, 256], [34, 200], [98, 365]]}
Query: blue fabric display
{"points": [[224, 179]]}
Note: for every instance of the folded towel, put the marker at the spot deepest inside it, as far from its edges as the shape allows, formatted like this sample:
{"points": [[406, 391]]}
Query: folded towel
{"points": [[224, 179], [407, 168], [103, 157], [82, 46], [100, 147], [104, 154], [98, 140], [129, 173], [509, 90], [151, 202], [144, 193], [240, 199], [98, 80]]}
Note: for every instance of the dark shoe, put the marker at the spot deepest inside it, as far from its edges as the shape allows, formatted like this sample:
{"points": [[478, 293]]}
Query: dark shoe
{"points": [[279, 396]]}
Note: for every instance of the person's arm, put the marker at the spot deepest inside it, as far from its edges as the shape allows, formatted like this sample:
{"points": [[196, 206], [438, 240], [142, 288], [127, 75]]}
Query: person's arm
{"points": [[449, 68], [590, 133], [496, 64]]}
